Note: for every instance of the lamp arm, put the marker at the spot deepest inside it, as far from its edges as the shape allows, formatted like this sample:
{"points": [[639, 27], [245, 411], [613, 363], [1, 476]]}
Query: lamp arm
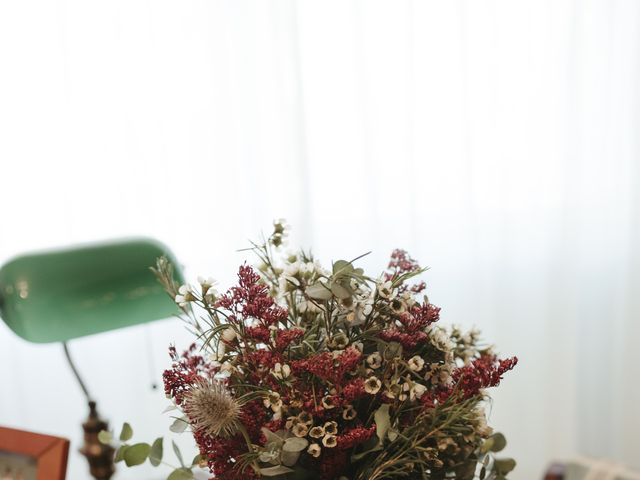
{"points": [[75, 372], [99, 456]]}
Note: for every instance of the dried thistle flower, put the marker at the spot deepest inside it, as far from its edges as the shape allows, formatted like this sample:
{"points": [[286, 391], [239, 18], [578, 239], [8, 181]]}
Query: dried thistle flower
{"points": [[212, 408]]}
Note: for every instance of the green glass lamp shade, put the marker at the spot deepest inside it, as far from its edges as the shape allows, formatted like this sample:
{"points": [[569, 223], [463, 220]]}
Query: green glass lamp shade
{"points": [[59, 295]]}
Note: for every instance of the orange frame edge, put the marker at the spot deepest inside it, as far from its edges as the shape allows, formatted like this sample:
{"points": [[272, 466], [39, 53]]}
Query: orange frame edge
{"points": [[50, 453]]}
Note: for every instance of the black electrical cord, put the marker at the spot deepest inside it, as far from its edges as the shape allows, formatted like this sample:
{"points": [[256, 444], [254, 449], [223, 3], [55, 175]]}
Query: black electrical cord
{"points": [[75, 372]]}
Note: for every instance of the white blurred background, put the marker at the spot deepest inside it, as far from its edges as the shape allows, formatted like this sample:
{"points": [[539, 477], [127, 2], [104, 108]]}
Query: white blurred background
{"points": [[497, 141]]}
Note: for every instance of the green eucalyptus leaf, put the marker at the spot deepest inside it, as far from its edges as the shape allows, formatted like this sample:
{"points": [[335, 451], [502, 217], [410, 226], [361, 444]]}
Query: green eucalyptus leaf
{"points": [[136, 454], [499, 442], [295, 444], [179, 425], [504, 465], [487, 445], [120, 453], [126, 433], [176, 450], [196, 460], [319, 291], [383, 421], [341, 266], [272, 438], [274, 471], [181, 474], [105, 437], [339, 291], [155, 455], [289, 459]]}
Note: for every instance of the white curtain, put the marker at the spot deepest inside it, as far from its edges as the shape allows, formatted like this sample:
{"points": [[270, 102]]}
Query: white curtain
{"points": [[497, 141]]}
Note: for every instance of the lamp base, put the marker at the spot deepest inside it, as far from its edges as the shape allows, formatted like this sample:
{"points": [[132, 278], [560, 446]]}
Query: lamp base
{"points": [[99, 456]]}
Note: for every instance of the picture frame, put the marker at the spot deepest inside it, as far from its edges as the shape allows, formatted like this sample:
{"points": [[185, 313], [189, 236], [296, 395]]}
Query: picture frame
{"points": [[32, 456]]}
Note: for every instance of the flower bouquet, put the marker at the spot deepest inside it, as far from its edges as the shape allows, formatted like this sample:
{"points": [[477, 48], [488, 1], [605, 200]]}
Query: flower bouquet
{"points": [[299, 372]]}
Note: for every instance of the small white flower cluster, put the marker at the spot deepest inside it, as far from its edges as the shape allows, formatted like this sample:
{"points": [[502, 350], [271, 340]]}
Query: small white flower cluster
{"points": [[296, 271], [273, 401], [466, 343], [186, 294], [440, 339], [440, 373], [280, 371], [401, 388], [362, 305], [302, 426], [416, 363], [207, 286], [280, 233], [374, 360], [386, 290]]}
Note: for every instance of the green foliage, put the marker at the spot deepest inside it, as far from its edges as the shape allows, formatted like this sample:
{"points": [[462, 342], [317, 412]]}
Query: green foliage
{"points": [[295, 444], [126, 433], [155, 455], [176, 450], [495, 443], [503, 466], [319, 291], [120, 453], [179, 425], [181, 474], [136, 454], [291, 450], [338, 285], [383, 422], [275, 471]]}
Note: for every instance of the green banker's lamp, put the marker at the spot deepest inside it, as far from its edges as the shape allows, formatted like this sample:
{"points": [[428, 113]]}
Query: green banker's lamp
{"points": [[61, 295]]}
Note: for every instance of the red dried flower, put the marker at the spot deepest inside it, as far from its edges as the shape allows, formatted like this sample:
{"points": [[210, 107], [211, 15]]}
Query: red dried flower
{"points": [[353, 391], [354, 436], [483, 372], [284, 338], [326, 367], [402, 262], [251, 300]]}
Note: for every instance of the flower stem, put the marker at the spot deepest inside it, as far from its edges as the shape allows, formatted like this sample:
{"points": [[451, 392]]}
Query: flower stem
{"points": [[247, 439]]}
